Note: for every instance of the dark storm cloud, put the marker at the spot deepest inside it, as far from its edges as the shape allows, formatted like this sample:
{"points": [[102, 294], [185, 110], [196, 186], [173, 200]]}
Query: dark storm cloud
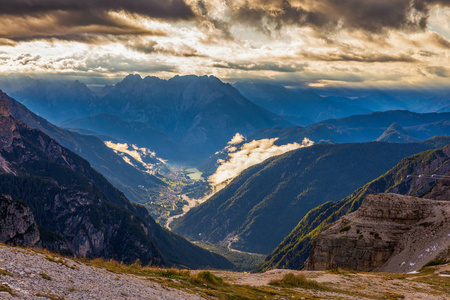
{"points": [[164, 9], [262, 17], [358, 57], [374, 16], [88, 21]]}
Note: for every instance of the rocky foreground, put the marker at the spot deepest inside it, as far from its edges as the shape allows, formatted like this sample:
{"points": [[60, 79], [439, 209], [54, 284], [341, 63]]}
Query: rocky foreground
{"points": [[34, 275], [28, 274]]}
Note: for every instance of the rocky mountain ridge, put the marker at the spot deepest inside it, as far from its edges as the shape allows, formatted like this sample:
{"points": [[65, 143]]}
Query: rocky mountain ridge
{"points": [[258, 208], [78, 211], [200, 113], [103, 159], [425, 174], [388, 233]]}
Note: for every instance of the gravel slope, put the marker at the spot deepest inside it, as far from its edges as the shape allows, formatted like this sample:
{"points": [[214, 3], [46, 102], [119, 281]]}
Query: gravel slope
{"points": [[72, 280]]}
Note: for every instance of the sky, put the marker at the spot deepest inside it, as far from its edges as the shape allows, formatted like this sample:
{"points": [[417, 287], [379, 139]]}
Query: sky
{"points": [[317, 43]]}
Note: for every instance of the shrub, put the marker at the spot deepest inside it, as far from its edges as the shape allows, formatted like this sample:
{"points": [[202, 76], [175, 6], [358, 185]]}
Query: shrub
{"points": [[436, 262], [208, 277], [346, 228], [291, 280]]}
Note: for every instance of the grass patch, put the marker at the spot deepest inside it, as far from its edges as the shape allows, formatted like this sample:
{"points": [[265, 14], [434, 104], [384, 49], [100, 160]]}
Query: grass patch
{"points": [[4, 272], [137, 269], [436, 262], [209, 278], [45, 276], [337, 270], [291, 280], [172, 273], [204, 283], [59, 261], [5, 288]]}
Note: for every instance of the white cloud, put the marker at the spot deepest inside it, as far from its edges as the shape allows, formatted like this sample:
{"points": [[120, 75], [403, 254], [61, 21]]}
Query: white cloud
{"points": [[138, 154], [237, 139], [247, 155]]}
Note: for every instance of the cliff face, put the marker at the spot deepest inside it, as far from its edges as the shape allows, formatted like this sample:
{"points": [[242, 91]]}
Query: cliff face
{"points": [[388, 233], [17, 225]]}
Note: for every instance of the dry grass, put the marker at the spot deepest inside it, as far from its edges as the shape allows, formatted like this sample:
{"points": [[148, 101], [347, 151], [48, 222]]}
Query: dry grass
{"points": [[300, 281], [5, 288], [4, 272], [45, 276]]}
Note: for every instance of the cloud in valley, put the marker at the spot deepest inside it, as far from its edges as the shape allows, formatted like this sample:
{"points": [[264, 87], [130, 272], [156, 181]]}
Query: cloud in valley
{"points": [[137, 154], [247, 155]]}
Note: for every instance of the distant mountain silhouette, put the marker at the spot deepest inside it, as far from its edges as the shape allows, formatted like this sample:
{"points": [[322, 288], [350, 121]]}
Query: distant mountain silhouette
{"points": [[362, 128], [301, 107], [201, 113]]}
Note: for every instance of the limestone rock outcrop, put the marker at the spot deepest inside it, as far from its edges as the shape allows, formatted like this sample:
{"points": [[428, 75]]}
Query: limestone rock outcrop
{"points": [[17, 225], [388, 233]]}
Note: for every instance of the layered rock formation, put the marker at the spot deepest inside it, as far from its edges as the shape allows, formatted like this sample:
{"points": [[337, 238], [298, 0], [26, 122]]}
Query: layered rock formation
{"points": [[388, 233], [17, 225]]}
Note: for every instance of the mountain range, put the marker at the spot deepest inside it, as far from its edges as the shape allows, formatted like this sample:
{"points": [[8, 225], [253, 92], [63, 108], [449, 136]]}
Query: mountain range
{"points": [[77, 210], [257, 209], [422, 175], [362, 128], [200, 113], [188, 118], [138, 186], [300, 107], [390, 126]]}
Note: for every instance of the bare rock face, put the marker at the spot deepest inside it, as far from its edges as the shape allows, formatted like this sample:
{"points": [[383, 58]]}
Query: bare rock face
{"points": [[8, 128], [4, 110], [388, 233], [17, 225]]}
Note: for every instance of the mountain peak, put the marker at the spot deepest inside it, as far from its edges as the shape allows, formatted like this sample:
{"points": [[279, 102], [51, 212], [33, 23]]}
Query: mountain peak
{"points": [[396, 126], [133, 78], [396, 134], [4, 109]]}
